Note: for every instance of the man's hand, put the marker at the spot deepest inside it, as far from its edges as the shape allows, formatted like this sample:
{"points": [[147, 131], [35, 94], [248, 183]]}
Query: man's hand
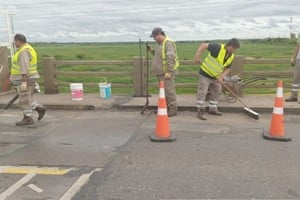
{"points": [[221, 79], [293, 62], [23, 86], [148, 47], [167, 75], [197, 60]]}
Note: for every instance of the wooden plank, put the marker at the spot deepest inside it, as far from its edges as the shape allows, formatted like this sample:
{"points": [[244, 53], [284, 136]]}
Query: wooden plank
{"points": [[187, 62], [195, 73], [94, 73], [178, 85], [278, 74], [182, 62], [93, 62], [267, 61], [115, 85]]}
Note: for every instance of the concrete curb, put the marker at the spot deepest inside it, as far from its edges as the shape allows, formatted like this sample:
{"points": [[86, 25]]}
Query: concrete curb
{"points": [[186, 103]]}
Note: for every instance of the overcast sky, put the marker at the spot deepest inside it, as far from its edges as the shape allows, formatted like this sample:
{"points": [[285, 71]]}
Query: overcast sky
{"points": [[129, 20]]}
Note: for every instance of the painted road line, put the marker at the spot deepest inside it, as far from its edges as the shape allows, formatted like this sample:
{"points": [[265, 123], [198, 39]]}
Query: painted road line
{"points": [[81, 181], [34, 170], [16, 186], [35, 188]]}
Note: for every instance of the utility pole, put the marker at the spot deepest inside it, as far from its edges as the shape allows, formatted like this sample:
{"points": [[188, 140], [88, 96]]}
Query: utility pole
{"points": [[8, 29], [7, 47], [292, 35]]}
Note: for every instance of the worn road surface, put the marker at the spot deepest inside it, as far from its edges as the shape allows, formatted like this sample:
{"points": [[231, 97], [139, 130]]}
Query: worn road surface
{"points": [[108, 155]]}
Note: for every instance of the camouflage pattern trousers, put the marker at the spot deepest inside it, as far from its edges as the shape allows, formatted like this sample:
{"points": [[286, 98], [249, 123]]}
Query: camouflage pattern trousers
{"points": [[26, 101], [214, 87], [296, 78], [170, 90]]}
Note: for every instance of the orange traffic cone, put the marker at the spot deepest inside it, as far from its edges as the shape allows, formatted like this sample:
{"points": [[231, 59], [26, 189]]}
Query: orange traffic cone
{"points": [[276, 131], [162, 132]]}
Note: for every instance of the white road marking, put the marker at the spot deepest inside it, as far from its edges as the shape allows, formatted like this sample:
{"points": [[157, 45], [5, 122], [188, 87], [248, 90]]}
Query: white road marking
{"points": [[34, 170], [16, 186], [10, 133], [35, 188], [81, 181]]}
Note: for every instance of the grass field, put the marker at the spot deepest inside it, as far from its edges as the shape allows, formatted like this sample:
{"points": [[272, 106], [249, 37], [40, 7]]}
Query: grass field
{"points": [[266, 48]]}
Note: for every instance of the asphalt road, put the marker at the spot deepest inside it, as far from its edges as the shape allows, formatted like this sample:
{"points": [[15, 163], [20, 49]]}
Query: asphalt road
{"points": [[108, 155]]}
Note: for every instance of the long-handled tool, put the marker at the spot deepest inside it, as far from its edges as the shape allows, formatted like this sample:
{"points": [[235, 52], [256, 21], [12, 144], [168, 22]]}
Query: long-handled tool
{"points": [[11, 101], [248, 111], [14, 98], [147, 81], [1, 68]]}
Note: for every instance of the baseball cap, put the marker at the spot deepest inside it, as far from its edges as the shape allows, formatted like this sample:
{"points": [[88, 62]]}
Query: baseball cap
{"points": [[156, 31]]}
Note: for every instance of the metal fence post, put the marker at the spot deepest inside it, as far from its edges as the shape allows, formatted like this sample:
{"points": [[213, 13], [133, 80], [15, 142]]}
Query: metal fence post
{"points": [[139, 76]]}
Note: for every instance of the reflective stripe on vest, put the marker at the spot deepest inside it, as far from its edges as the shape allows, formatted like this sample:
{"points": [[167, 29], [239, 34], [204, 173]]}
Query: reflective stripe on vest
{"points": [[164, 56], [16, 68], [215, 66]]}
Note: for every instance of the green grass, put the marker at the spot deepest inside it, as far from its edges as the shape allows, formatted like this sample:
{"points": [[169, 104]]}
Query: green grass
{"points": [[267, 48]]}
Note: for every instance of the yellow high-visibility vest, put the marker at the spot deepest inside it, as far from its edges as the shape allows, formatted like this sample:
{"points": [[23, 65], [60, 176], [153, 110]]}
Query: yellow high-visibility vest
{"points": [[164, 56], [215, 66], [16, 68]]}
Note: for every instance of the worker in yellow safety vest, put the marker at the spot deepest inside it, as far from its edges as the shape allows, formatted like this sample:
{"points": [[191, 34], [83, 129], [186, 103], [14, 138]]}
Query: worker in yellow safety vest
{"points": [[23, 75], [212, 71], [165, 64], [295, 62]]}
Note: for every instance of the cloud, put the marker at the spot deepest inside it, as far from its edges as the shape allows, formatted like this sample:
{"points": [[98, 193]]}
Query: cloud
{"points": [[125, 20]]}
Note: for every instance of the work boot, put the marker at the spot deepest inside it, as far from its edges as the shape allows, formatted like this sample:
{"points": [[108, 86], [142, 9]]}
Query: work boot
{"points": [[41, 112], [215, 112], [172, 112], [25, 121], [292, 98], [201, 114]]}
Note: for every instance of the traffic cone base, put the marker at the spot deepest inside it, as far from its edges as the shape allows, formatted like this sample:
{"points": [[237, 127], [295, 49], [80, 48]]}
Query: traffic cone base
{"points": [[154, 138], [162, 131], [276, 138]]}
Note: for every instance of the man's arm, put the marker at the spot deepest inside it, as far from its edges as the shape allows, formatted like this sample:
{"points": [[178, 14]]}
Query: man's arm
{"points": [[224, 73], [150, 49], [24, 62], [296, 50], [171, 56], [200, 50]]}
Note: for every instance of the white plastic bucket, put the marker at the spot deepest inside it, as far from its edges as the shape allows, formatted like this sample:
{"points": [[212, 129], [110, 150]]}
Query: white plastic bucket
{"points": [[105, 89], [76, 91]]}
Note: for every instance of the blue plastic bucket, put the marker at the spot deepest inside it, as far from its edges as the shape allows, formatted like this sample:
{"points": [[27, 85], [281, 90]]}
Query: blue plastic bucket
{"points": [[105, 90]]}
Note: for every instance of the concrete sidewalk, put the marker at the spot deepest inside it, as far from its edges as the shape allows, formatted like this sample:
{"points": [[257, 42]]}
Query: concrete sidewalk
{"points": [[186, 102]]}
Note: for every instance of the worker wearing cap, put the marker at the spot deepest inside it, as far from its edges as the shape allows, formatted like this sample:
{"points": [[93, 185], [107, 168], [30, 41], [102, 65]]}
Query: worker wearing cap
{"points": [[165, 64], [295, 62], [212, 71], [24, 74]]}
